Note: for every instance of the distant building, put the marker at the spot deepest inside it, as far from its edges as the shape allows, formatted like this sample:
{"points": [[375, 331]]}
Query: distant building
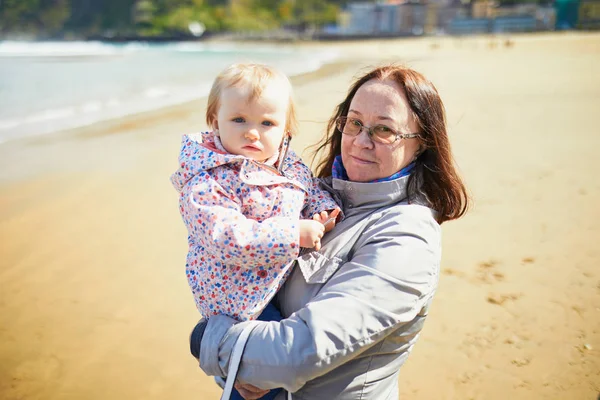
{"points": [[430, 17], [371, 18], [393, 18]]}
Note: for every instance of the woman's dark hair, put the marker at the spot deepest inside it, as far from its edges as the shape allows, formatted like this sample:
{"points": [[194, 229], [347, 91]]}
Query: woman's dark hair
{"points": [[435, 176]]}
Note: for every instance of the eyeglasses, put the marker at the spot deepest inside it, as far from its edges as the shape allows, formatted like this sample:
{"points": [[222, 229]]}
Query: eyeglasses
{"points": [[378, 133]]}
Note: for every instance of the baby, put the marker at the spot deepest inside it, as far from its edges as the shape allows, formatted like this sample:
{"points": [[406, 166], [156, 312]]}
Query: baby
{"points": [[247, 200]]}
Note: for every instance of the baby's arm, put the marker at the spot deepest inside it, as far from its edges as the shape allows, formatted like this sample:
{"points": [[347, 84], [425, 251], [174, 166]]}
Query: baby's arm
{"points": [[214, 220], [319, 206], [318, 200]]}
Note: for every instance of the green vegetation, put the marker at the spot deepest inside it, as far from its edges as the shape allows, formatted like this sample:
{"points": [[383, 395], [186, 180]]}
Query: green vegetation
{"points": [[85, 18]]}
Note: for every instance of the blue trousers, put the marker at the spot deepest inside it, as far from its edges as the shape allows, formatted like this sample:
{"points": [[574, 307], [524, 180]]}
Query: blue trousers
{"points": [[270, 313]]}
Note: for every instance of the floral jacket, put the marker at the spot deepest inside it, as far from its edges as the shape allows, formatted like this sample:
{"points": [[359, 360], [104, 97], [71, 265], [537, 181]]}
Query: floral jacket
{"points": [[242, 220]]}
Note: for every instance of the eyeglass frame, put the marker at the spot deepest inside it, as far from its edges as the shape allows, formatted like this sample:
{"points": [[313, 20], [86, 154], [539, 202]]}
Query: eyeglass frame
{"points": [[370, 129]]}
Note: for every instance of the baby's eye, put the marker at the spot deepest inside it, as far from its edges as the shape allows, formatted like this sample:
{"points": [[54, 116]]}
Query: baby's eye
{"points": [[238, 120], [268, 123]]}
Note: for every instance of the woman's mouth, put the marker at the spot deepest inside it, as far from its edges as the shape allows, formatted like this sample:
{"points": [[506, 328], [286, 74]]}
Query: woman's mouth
{"points": [[359, 160]]}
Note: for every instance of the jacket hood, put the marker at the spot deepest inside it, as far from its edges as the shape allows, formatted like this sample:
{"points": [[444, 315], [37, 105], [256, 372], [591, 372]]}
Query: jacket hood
{"points": [[203, 151]]}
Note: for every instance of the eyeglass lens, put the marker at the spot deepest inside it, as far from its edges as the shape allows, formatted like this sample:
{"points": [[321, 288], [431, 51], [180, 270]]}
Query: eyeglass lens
{"points": [[379, 133]]}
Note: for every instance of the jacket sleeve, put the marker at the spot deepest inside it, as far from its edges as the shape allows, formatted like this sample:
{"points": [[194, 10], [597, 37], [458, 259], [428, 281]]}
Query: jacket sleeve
{"points": [[317, 199], [213, 218], [384, 286]]}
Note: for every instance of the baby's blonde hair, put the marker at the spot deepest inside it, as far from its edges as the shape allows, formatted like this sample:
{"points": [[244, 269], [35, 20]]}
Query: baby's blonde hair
{"points": [[256, 77]]}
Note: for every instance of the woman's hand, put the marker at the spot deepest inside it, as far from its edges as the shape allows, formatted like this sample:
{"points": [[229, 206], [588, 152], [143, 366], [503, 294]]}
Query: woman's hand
{"points": [[328, 219], [248, 391]]}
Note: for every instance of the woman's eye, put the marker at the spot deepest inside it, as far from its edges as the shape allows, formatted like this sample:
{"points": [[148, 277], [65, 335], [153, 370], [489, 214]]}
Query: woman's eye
{"points": [[238, 120], [383, 129], [267, 123], [355, 122]]}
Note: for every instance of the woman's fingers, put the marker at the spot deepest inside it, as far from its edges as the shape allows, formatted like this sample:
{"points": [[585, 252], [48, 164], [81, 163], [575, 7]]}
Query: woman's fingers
{"points": [[320, 217], [248, 391], [335, 213], [329, 223], [250, 388]]}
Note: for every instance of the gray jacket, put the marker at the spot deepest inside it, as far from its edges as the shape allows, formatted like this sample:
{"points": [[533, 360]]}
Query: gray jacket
{"points": [[353, 310]]}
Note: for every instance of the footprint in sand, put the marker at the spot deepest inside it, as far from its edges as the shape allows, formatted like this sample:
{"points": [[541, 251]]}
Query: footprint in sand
{"points": [[487, 272], [453, 272], [521, 362], [500, 299]]}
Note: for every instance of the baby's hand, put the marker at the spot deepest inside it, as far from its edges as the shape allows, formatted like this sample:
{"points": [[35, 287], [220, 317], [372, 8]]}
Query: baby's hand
{"points": [[327, 219], [311, 233]]}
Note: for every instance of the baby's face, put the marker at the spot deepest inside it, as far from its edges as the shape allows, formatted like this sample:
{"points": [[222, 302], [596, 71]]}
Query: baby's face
{"points": [[252, 128]]}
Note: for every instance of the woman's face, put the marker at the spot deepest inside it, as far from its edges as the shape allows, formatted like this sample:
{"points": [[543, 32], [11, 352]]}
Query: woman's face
{"points": [[379, 103]]}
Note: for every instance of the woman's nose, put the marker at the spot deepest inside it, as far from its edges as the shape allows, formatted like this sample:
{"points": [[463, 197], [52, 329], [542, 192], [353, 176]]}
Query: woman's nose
{"points": [[252, 134], [363, 139]]}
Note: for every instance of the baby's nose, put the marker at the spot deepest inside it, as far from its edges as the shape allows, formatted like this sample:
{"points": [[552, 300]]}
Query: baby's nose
{"points": [[252, 134]]}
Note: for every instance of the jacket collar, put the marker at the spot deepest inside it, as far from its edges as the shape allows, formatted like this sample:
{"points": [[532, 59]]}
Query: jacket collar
{"points": [[203, 151], [355, 195]]}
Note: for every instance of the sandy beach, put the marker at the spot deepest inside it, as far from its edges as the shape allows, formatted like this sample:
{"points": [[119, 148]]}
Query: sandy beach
{"points": [[94, 303]]}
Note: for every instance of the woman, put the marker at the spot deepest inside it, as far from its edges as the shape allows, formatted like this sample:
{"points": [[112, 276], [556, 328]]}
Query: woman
{"points": [[355, 309]]}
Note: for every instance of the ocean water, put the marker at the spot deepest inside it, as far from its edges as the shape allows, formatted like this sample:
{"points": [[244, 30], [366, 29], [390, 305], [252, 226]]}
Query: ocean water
{"points": [[51, 86]]}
